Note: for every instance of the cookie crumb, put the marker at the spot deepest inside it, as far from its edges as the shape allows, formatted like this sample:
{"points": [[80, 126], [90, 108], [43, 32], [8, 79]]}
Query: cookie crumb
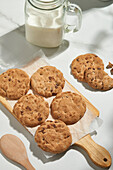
{"points": [[110, 65]]}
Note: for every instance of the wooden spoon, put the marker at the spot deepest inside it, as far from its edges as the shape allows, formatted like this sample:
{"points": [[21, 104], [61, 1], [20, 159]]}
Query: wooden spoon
{"points": [[13, 148]]}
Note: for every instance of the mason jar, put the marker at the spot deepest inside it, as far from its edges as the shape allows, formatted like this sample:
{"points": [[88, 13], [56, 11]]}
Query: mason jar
{"points": [[46, 21]]}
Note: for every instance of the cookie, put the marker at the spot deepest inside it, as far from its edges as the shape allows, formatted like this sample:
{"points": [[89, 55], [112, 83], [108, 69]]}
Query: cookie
{"points": [[98, 79], [53, 136], [47, 81], [31, 110], [83, 62], [68, 107], [14, 83]]}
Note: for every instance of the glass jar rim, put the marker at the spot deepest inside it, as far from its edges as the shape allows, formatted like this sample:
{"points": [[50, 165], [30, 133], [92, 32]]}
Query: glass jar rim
{"points": [[46, 4]]}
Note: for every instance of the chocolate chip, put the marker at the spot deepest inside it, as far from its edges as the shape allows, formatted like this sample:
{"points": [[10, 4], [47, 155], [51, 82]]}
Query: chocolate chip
{"points": [[56, 121], [74, 67], [77, 59], [9, 79], [42, 130], [48, 126], [28, 108], [93, 68], [98, 68], [89, 68], [111, 71], [21, 112], [56, 87], [54, 125], [57, 84], [54, 94], [51, 78], [40, 118], [80, 116], [41, 67], [68, 136]]}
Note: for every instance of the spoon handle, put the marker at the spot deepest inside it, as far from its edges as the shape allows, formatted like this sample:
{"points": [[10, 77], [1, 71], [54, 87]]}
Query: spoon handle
{"points": [[27, 165]]}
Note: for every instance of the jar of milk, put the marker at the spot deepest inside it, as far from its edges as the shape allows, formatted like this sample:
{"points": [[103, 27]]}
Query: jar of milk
{"points": [[46, 21]]}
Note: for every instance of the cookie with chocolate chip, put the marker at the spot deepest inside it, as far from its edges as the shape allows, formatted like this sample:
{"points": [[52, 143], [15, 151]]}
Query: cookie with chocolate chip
{"points": [[53, 136], [31, 110], [83, 62], [68, 107], [14, 83], [47, 81], [98, 79]]}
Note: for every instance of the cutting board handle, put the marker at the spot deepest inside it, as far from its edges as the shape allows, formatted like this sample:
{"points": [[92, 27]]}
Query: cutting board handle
{"points": [[98, 154]]}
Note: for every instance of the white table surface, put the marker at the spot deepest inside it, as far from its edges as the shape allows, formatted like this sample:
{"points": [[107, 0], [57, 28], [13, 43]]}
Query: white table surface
{"points": [[96, 35]]}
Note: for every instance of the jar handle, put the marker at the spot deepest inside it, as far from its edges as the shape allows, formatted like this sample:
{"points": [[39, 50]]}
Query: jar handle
{"points": [[73, 18]]}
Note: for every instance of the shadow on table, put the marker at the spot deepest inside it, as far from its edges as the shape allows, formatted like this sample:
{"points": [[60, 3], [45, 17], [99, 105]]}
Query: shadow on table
{"points": [[36, 151], [15, 51], [88, 4]]}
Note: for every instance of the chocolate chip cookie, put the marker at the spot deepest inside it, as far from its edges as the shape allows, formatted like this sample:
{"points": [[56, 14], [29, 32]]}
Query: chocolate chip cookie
{"points": [[31, 110], [83, 62], [68, 107], [97, 78], [53, 136], [14, 83], [47, 81]]}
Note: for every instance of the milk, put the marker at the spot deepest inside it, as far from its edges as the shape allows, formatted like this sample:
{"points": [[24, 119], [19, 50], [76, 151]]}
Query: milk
{"points": [[45, 29]]}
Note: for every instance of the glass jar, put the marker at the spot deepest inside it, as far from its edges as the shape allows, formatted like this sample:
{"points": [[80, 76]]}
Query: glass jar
{"points": [[47, 20]]}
